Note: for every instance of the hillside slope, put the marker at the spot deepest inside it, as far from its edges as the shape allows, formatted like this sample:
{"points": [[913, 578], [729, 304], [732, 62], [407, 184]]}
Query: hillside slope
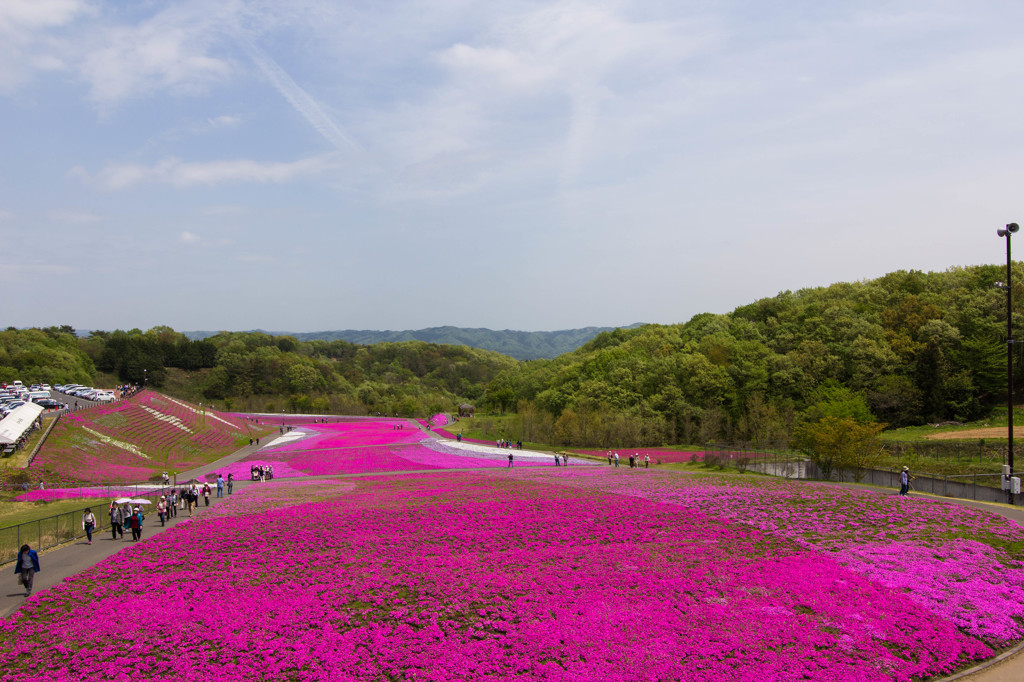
{"points": [[135, 439]]}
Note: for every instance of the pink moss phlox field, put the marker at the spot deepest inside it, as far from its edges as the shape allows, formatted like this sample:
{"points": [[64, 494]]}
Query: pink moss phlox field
{"points": [[369, 446], [351, 434], [464, 577], [439, 419], [664, 455], [959, 562]]}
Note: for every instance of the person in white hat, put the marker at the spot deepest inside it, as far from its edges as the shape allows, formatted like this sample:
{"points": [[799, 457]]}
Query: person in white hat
{"points": [[905, 479]]}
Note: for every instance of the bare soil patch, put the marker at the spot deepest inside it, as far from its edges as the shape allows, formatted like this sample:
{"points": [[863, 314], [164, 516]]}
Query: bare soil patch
{"points": [[968, 434]]}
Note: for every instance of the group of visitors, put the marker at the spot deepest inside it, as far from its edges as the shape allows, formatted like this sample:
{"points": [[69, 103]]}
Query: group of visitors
{"points": [[257, 442], [565, 459], [634, 460], [261, 472], [503, 443], [121, 517]]}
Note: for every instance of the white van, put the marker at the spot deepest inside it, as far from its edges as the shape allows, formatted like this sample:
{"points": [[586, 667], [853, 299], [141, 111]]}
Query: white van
{"points": [[38, 395]]}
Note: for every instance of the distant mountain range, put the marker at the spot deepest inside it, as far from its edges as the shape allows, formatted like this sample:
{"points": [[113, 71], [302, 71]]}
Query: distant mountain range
{"points": [[516, 344]]}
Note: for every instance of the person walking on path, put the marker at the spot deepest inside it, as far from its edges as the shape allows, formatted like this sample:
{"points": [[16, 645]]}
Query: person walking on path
{"points": [[220, 486], [647, 461], [616, 459], [609, 458], [556, 460], [905, 479], [135, 523], [565, 459], [88, 523], [206, 494], [161, 510], [172, 503], [116, 521], [510, 460], [26, 567], [231, 483]]}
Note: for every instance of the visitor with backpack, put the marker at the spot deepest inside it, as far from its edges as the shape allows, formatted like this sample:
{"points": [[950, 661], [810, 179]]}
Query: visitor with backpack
{"points": [[26, 567], [88, 523]]}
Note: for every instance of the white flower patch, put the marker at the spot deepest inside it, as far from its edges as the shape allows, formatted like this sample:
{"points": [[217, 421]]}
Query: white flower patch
{"points": [[209, 413], [173, 421], [124, 446]]}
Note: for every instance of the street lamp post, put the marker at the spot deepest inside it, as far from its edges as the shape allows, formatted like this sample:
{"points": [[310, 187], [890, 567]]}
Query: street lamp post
{"points": [[143, 377], [1007, 232]]}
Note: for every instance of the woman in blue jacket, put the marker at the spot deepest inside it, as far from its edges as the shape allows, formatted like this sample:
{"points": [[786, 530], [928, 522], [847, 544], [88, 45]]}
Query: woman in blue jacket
{"points": [[26, 567]]}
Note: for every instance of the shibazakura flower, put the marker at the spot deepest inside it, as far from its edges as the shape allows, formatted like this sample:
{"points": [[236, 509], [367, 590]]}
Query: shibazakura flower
{"points": [[462, 576]]}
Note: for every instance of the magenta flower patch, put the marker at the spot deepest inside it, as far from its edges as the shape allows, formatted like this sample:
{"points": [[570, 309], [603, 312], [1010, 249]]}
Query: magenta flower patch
{"points": [[469, 576]]}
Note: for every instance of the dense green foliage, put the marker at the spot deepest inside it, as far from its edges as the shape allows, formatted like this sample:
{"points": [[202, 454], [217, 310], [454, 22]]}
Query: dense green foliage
{"points": [[516, 344], [914, 347], [256, 371], [43, 355], [907, 348]]}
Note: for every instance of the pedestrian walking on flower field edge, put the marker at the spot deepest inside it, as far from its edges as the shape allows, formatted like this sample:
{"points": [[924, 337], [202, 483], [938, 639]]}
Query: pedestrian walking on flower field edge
{"points": [[88, 523], [26, 567], [905, 479], [116, 521]]}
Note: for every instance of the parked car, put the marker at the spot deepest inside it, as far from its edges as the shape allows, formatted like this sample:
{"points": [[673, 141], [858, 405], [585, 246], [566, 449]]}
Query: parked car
{"points": [[11, 406], [49, 403]]}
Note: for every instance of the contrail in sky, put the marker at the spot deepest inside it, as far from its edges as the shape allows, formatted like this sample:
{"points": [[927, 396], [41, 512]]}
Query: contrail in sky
{"points": [[299, 99]]}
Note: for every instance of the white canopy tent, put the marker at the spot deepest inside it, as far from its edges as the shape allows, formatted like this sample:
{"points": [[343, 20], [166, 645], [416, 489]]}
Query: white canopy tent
{"points": [[18, 422]]}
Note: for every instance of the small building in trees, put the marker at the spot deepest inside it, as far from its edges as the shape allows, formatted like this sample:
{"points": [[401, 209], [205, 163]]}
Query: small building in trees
{"points": [[466, 410]]}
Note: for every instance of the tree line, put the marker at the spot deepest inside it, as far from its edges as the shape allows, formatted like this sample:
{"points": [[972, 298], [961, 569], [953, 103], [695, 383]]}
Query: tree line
{"points": [[903, 349]]}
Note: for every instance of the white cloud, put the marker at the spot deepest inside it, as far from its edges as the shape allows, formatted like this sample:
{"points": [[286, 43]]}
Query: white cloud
{"points": [[18, 15], [185, 174], [27, 41], [223, 121], [189, 238], [173, 50]]}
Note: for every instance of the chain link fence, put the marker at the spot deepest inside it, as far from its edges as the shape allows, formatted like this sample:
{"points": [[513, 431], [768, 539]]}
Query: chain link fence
{"points": [[786, 464], [52, 531]]}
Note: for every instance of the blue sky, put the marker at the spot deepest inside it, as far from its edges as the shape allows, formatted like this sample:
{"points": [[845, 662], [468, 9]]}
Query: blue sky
{"points": [[309, 165]]}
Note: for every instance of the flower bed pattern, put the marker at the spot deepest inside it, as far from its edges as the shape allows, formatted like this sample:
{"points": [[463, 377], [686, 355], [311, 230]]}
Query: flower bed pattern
{"points": [[370, 446], [131, 440], [463, 577], [961, 563]]}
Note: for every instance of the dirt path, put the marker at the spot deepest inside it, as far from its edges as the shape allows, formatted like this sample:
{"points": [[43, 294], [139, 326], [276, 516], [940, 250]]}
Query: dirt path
{"points": [[986, 432]]}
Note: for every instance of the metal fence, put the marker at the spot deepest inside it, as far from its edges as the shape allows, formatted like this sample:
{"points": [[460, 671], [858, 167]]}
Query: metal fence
{"points": [[982, 487], [55, 530]]}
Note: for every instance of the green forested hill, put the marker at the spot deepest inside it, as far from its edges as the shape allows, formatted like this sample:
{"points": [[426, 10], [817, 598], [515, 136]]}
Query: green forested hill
{"points": [[907, 348], [256, 371], [516, 344], [915, 347]]}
